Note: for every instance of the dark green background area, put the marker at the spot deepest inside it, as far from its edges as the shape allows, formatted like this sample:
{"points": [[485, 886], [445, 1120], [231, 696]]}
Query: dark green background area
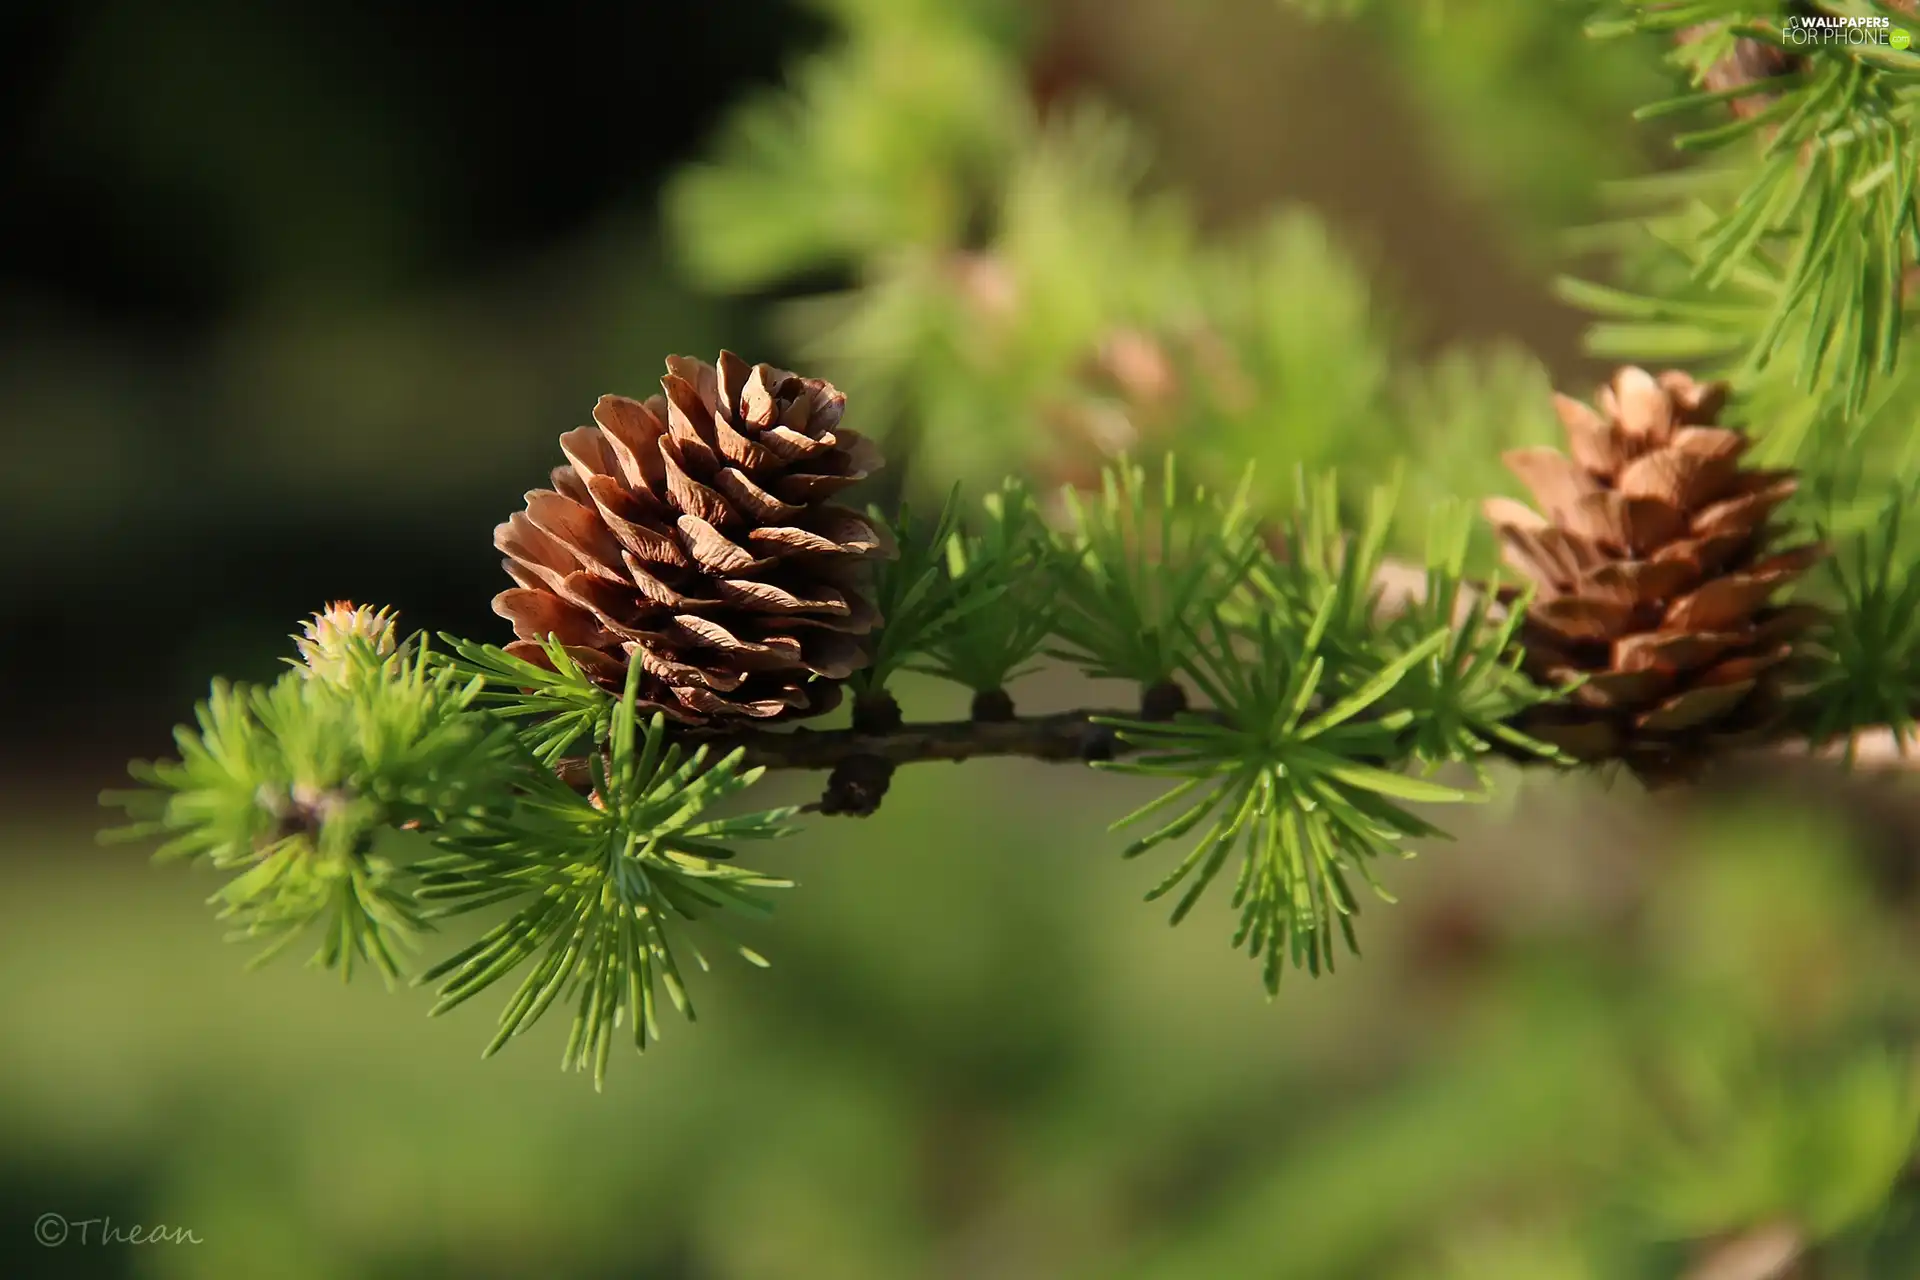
{"points": [[293, 299]]}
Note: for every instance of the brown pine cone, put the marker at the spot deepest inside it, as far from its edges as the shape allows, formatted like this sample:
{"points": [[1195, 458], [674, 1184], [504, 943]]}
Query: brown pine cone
{"points": [[1654, 568], [693, 534]]}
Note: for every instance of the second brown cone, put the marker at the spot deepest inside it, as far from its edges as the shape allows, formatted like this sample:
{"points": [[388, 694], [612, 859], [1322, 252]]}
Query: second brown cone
{"points": [[1655, 560]]}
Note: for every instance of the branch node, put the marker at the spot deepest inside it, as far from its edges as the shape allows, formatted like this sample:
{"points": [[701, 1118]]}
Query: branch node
{"points": [[856, 786], [1099, 742], [1162, 700], [875, 712], [992, 706]]}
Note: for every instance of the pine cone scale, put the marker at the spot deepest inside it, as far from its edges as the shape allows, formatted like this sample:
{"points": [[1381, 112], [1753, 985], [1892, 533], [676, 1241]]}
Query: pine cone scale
{"points": [[766, 508], [1698, 706], [1673, 653], [1616, 688], [691, 536]]}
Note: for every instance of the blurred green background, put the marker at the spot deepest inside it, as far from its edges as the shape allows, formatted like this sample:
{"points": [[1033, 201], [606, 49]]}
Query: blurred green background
{"points": [[294, 300]]}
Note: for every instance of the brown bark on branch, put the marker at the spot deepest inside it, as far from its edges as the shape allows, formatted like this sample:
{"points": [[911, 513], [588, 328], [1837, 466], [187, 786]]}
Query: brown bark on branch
{"points": [[1062, 736], [1072, 736]]}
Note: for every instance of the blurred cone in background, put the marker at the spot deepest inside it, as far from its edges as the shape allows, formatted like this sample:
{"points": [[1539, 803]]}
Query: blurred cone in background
{"points": [[1752, 62]]}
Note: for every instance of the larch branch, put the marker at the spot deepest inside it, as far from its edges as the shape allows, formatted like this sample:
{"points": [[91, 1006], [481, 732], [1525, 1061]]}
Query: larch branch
{"points": [[1061, 736]]}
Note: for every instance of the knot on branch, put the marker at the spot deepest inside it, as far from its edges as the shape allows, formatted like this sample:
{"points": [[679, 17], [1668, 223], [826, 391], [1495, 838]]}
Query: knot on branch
{"points": [[992, 706], [856, 786], [1099, 742], [1162, 700], [876, 712]]}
